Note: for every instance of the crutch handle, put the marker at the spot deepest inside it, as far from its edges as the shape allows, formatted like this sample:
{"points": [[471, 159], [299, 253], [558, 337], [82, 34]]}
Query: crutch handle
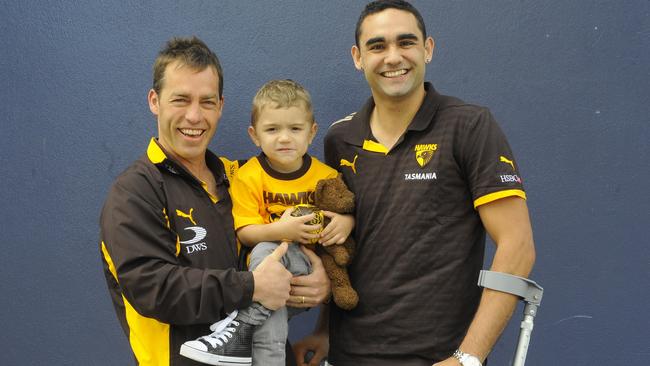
{"points": [[528, 290]]}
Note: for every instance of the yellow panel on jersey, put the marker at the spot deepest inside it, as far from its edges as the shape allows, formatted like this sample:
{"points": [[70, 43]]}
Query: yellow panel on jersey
{"points": [[498, 195], [260, 197], [109, 261], [166, 217], [149, 338], [154, 152]]}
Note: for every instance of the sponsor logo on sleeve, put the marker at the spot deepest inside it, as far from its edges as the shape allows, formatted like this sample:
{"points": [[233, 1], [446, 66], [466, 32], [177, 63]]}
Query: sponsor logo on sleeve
{"points": [[510, 178]]}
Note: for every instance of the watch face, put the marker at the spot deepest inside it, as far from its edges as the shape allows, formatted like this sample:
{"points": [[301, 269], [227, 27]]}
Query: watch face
{"points": [[466, 359], [471, 361]]}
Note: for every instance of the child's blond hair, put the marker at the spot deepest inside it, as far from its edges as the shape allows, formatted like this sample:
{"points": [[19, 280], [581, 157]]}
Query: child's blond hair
{"points": [[281, 94]]}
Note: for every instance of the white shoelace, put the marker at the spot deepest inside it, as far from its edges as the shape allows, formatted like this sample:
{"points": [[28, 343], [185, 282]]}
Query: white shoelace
{"points": [[221, 331]]}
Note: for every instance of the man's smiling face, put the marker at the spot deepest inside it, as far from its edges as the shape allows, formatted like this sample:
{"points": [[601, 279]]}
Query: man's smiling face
{"points": [[188, 110], [392, 53]]}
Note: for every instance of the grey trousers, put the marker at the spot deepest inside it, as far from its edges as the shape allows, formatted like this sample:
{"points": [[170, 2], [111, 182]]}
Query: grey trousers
{"points": [[272, 327]]}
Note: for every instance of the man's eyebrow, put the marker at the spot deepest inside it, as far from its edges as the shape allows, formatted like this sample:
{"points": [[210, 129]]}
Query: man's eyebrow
{"points": [[406, 36], [178, 94], [375, 40]]}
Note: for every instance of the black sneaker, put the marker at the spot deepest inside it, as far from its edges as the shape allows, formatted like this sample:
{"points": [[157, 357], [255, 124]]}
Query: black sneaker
{"points": [[230, 344]]}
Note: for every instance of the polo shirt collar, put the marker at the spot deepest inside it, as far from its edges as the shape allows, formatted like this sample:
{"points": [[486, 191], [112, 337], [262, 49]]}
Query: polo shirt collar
{"points": [[360, 128], [158, 156]]}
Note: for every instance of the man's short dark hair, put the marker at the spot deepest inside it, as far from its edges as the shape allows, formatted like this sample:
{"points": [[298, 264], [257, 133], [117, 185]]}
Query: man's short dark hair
{"points": [[381, 5], [191, 52]]}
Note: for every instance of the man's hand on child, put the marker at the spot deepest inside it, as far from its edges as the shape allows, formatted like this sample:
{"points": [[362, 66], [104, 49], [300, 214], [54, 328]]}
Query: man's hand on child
{"points": [[337, 230], [272, 281], [310, 290]]}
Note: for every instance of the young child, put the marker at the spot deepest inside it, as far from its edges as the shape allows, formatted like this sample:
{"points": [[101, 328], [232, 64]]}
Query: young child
{"points": [[264, 191]]}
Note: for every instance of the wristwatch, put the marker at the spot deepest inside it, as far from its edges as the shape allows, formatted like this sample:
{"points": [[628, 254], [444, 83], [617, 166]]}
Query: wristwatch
{"points": [[466, 359]]}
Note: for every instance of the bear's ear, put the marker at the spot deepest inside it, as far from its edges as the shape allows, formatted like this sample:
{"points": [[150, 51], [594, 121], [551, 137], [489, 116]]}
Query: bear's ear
{"points": [[321, 189], [333, 195], [340, 183]]}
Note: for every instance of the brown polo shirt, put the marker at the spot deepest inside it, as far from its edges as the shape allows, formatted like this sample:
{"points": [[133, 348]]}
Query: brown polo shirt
{"points": [[420, 239]]}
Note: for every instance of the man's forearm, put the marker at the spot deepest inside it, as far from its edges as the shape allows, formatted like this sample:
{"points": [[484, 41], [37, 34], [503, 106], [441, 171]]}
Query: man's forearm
{"points": [[493, 314], [496, 308], [507, 222]]}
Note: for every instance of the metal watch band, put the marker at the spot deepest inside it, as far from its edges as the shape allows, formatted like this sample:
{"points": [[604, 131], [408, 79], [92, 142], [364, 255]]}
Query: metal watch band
{"points": [[466, 359]]}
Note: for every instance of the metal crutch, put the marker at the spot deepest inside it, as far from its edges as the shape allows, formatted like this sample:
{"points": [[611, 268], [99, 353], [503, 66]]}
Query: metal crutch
{"points": [[528, 291]]}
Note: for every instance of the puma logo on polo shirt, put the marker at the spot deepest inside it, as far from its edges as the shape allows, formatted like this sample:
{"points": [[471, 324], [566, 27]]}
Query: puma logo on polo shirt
{"points": [[187, 216], [351, 165], [503, 159]]}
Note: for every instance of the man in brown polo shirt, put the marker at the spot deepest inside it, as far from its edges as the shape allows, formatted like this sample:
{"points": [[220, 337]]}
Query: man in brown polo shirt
{"points": [[432, 175]]}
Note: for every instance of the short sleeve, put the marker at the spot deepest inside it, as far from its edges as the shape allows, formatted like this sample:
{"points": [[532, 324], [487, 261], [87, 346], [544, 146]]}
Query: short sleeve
{"points": [[487, 160], [245, 198]]}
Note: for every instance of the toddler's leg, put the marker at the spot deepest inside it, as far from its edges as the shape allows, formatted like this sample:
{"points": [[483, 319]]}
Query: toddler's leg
{"points": [[298, 264], [232, 338], [272, 327], [257, 314], [269, 339], [295, 261]]}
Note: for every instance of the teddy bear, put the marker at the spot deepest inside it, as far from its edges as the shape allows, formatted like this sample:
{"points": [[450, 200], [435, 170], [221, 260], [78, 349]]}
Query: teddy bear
{"points": [[333, 195]]}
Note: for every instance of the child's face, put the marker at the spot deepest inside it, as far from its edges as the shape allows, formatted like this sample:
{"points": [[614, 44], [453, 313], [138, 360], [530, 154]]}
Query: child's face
{"points": [[284, 134]]}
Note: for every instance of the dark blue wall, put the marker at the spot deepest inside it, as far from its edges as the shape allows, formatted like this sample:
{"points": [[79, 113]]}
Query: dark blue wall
{"points": [[568, 81]]}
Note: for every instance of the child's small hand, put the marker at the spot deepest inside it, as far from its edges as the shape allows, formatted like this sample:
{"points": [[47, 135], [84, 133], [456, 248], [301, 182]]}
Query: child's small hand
{"points": [[297, 229], [338, 230]]}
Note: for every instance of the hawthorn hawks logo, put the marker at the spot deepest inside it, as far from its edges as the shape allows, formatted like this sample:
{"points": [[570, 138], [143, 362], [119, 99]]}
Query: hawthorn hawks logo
{"points": [[424, 153]]}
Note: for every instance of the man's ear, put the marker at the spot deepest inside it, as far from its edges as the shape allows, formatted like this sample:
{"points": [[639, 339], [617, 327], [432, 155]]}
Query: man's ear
{"points": [[253, 136], [429, 46], [356, 57], [221, 101], [153, 100]]}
